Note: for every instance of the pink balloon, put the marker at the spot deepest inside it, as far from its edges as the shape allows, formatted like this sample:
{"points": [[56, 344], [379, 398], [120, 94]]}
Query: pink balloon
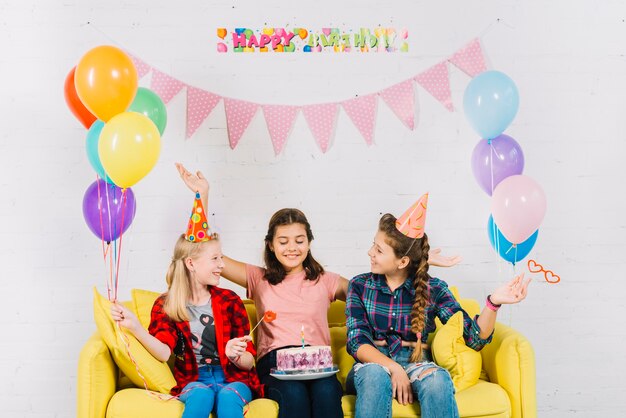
{"points": [[518, 206]]}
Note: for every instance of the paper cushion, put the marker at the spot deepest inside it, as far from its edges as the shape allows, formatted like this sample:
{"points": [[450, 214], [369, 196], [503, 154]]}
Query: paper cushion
{"points": [[158, 376], [143, 300], [450, 352]]}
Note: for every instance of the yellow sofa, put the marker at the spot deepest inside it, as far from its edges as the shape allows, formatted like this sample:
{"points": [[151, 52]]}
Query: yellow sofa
{"points": [[506, 388]]}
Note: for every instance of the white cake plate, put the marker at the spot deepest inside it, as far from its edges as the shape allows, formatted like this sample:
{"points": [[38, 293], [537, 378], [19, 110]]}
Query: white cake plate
{"points": [[303, 374]]}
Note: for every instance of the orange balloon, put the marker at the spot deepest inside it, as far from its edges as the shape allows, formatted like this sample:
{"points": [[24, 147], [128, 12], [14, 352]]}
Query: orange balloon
{"points": [[106, 81]]}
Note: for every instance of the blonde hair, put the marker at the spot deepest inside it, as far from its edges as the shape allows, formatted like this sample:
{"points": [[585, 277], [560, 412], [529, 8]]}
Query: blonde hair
{"points": [[178, 279], [417, 252]]}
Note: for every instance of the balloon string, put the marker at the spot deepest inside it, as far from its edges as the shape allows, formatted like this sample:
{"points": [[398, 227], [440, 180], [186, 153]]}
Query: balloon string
{"points": [[117, 270], [105, 250]]}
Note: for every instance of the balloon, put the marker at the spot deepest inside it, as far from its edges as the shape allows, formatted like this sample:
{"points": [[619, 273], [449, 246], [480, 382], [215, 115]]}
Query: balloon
{"points": [[495, 159], [505, 248], [93, 136], [129, 147], [518, 206], [149, 104], [104, 207], [106, 81], [490, 102], [73, 102]]}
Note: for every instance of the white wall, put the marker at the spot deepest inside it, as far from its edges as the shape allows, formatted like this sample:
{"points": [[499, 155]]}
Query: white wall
{"points": [[567, 61]]}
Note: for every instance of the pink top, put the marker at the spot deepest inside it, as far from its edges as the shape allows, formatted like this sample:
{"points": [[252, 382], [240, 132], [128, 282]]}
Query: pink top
{"points": [[297, 302]]}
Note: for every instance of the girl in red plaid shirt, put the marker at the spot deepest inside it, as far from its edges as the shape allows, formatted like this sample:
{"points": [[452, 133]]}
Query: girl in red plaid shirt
{"points": [[204, 326]]}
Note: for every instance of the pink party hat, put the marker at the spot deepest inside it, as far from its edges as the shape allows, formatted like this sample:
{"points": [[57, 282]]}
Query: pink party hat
{"points": [[198, 227], [412, 222]]}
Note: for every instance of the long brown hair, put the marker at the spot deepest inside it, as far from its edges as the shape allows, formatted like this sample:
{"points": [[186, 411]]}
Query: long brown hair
{"points": [[275, 272], [417, 252], [178, 278]]}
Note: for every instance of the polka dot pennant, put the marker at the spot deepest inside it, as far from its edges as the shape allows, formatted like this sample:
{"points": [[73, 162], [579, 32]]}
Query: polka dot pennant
{"points": [[437, 82], [321, 119], [401, 100], [362, 112], [198, 226], [142, 67], [200, 103], [279, 120], [165, 86], [470, 59], [239, 113]]}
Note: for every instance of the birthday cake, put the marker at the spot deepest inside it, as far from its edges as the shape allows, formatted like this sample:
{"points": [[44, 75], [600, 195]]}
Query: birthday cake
{"points": [[304, 358]]}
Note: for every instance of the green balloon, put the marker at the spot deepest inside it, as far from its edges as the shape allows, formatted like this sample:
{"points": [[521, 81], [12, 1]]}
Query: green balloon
{"points": [[149, 104]]}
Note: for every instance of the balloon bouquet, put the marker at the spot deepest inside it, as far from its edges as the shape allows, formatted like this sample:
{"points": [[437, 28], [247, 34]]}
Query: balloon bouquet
{"points": [[518, 203], [125, 123]]}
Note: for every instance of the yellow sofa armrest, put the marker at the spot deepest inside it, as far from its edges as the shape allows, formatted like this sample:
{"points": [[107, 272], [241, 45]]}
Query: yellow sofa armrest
{"points": [[97, 379], [509, 361]]}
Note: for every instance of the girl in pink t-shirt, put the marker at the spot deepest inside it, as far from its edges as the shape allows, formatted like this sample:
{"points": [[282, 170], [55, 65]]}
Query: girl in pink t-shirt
{"points": [[299, 290]]}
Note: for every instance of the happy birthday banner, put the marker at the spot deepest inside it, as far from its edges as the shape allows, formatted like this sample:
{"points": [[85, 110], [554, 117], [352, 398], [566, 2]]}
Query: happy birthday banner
{"points": [[320, 118], [300, 39]]}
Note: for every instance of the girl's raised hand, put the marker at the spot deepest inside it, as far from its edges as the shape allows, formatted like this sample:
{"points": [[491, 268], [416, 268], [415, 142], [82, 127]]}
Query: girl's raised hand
{"points": [[436, 259], [124, 316], [236, 347], [196, 182], [512, 292]]}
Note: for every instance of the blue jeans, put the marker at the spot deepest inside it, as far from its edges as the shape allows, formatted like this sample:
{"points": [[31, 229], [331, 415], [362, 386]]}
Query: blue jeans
{"points": [[211, 393], [319, 398], [372, 384]]}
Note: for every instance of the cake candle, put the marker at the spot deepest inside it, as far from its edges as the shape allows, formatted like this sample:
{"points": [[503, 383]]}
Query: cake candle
{"points": [[302, 335]]}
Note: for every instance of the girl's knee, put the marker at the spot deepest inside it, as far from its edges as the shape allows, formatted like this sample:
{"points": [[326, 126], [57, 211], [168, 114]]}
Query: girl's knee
{"points": [[372, 375], [435, 378]]}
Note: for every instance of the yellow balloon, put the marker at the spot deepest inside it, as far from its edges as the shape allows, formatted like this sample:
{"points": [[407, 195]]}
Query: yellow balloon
{"points": [[129, 147], [106, 81]]}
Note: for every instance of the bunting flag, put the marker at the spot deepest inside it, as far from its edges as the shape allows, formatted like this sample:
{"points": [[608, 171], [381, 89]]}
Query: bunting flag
{"points": [[470, 59], [321, 119], [239, 113], [279, 120], [401, 99], [362, 112], [436, 81], [165, 86], [142, 67], [200, 103]]}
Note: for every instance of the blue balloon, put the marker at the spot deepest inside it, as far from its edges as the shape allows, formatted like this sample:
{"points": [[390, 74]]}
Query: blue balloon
{"points": [[505, 248], [93, 135], [491, 101]]}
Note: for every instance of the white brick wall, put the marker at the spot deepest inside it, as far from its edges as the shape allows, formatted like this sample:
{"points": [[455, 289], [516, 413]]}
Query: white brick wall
{"points": [[568, 63]]}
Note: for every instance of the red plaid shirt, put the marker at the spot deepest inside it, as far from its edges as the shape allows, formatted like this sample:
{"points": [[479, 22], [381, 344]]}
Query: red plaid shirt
{"points": [[231, 320]]}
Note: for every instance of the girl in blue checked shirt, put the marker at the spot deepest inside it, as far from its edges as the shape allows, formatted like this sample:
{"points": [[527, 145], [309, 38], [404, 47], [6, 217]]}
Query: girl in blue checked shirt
{"points": [[390, 312]]}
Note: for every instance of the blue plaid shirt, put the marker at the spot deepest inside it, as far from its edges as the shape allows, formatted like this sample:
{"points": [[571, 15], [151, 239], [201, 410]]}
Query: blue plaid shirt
{"points": [[374, 312]]}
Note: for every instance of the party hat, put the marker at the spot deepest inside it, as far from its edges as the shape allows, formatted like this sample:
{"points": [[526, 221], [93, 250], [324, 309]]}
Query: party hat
{"points": [[412, 222], [198, 227]]}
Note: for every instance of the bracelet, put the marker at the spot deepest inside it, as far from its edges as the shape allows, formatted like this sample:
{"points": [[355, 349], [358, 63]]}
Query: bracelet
{"points": [[492, 305]]}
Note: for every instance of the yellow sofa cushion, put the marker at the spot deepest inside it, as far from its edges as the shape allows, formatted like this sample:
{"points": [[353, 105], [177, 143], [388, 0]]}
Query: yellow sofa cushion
{"points": [[158, 376], [143, 300], [449, 351]]}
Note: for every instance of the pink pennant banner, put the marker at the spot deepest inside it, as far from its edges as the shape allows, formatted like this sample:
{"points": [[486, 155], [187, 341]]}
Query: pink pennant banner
{"points": [[362, 112], [401, 100], [142, 67], [165, 86], [279, 120], [239, 113], [470, 59], [200, 104], [321, 119], [436, 81]]}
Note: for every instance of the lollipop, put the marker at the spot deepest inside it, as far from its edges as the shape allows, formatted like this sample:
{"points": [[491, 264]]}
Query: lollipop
{"points": [[268, 317]]}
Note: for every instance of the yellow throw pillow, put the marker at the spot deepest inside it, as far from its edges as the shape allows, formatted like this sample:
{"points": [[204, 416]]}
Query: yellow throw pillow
{"points": [[449, 351], [158, 376], [143, 300]]}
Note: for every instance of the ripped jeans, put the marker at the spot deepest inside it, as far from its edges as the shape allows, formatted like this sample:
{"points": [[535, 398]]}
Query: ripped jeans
{"points": [[371, 383]]}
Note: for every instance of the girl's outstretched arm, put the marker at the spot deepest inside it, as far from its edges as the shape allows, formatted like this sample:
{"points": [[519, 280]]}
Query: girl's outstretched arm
{"points": [[234, 270], [128, 320]]}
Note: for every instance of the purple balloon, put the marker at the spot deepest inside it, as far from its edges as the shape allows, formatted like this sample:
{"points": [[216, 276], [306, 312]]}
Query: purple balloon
{"points": [[507, 157], [105, 208]]}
